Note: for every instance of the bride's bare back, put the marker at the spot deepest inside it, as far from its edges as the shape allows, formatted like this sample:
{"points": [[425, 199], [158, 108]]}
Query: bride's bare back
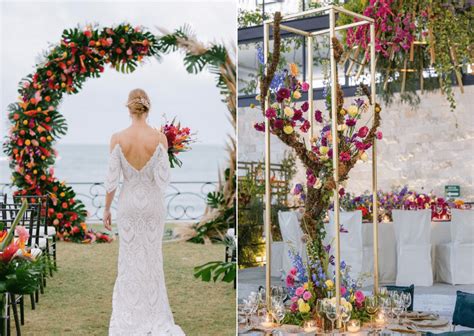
{"points": [[138, 143]]}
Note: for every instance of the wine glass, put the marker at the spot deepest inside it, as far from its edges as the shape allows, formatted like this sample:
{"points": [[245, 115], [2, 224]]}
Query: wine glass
{"points": [[330, 308], [279, 312], [247, 310], [397, 307], [345, 316], [372, 307], [406, 297]]}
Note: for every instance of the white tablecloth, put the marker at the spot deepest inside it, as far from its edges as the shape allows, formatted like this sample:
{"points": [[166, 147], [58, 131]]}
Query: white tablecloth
{"points": [[440, 233]]}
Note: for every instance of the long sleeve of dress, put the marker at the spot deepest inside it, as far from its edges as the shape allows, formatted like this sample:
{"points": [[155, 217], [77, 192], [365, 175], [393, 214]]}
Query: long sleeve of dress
{"points": [[113, 174]]}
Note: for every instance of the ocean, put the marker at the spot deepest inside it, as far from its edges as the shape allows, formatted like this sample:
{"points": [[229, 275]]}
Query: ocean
{"points": [[83, 165]]}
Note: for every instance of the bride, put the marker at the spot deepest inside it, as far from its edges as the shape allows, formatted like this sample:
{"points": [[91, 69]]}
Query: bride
{"points": [[140, 303]]}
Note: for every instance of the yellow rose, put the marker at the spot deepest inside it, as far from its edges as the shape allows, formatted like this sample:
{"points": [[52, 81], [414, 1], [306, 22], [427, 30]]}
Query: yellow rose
{"points": [[62, 194], [305, 286], [304, 308], [343, 111], [296, 95], [329, 284], [364, 157], [323, 150], [27, 142], [25, 122], [353, 110], [49, 138], [288, 129], [35, 172], [289, 112]]}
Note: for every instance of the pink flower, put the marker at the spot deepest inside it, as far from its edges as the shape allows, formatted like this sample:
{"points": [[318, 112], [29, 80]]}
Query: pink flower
{"points": [[294, 307], [259, 127], [343, 290], [318, 115], [307, 295], [379, 135], [290, 281], [345, 156], [305, 106], [359, 297], [293, 271], [304, 86], [278, 124], [22, 233], [271, 112], [294, 299], [299, 291], [362, 133]]}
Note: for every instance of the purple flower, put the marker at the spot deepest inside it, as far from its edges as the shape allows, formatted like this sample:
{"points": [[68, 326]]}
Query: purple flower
{"points": [[350, 122], [305, 106], [283, 93], [259, 127], [318, 115], [298, 189], [278, 123], [260, 58], [277, 81]]}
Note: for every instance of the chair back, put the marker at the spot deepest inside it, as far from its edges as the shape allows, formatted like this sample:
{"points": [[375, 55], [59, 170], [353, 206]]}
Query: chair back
{"points": [[31, 219], [462, 226], [463, 314], [290, 229], [351, 223], [412, 227], [43, 202], [404, 289]]}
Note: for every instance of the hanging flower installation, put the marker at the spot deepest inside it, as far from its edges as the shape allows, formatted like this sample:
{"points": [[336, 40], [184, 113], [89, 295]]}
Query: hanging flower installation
{"points": [[37, 123], [288, 121], [420, 44]]}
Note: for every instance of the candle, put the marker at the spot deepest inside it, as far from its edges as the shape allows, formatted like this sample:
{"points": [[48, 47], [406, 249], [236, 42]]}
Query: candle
{"points": [[268, 321], [310, 326], [380, 319], [353, 326]]}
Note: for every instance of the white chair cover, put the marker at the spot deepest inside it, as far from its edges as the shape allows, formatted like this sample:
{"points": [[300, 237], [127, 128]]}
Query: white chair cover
{"points": [[351, 246], [462, 226], [292, 235], [454, 263], [413, 237]]}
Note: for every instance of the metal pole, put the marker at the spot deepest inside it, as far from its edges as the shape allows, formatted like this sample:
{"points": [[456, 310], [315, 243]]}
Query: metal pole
{"points": [[309, 80], [335, 154], [268, 187], [374, 164]]}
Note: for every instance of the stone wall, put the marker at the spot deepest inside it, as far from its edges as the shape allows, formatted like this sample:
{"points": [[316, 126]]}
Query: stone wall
{"points": [[425, 147]]}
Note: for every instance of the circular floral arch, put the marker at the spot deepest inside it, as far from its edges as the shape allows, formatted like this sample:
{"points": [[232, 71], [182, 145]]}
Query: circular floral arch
{"points": [[36, 123]]}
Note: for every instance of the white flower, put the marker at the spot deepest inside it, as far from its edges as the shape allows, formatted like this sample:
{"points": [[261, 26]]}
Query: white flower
{"points": [[35, 252], [289, 112]]}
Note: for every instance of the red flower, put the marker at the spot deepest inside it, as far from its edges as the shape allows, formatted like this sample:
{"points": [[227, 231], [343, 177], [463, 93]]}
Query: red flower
{"points": [[9, 252]]}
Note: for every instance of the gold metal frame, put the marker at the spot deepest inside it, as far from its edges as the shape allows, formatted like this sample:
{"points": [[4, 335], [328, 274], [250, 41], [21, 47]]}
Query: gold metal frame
{"points": [[362, 20]]}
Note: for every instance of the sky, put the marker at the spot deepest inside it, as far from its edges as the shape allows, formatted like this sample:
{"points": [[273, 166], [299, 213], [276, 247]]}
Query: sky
{"points": [[98, 110]]}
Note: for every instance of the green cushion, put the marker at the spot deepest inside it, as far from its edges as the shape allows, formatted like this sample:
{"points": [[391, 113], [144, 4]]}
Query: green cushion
{"points": [[464, 309], [409, 289]]}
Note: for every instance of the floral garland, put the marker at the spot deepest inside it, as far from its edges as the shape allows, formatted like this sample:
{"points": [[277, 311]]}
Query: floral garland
{"points": [[37, 123]]}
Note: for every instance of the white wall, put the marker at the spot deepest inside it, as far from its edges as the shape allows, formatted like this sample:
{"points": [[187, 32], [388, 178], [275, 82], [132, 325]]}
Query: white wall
{"points": [[425, 146]]}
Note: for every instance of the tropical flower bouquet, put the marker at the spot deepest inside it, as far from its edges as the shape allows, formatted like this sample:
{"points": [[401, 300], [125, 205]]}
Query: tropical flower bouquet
{"points": [[179, 140], [20, 266]]}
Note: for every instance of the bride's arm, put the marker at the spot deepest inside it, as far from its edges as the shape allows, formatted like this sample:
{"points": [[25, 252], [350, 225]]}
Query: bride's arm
{"points": [[109, 196]]}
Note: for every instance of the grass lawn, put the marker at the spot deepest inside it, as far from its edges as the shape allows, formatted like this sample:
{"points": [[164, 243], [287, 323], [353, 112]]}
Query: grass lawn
{"points": [[78, 299]]}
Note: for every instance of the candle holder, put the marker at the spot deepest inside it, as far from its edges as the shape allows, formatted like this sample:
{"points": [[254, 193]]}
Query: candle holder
{"points": [[353, 326], [268, 321], [380, 319], [310, 326]]}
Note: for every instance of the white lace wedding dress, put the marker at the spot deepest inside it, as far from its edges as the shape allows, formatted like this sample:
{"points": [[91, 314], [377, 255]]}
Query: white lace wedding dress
{"points": [[140, 303]]}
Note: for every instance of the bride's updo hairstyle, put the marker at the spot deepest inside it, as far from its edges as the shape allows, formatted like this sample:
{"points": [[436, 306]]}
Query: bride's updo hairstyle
{"points": [[138, 102]]}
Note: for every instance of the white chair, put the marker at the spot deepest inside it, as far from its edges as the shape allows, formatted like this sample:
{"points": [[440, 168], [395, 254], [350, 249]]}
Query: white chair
{"points": [[351, 245], [413, 237], [454, 261], [292, 236]]}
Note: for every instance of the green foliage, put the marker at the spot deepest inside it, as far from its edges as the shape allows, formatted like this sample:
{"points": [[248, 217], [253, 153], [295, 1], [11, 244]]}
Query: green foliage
{"points": [[248, 18], [225, 271]]}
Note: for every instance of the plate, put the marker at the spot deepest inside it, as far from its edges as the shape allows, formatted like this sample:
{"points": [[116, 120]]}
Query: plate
{"points": [[432, 323]]}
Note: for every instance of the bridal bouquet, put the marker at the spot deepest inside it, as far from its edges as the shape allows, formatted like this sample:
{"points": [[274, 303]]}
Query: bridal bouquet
{"points": [[179, 140]]}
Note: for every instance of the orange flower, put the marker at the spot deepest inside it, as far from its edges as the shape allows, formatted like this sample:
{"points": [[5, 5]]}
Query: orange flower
{"points": [[293, 69]]}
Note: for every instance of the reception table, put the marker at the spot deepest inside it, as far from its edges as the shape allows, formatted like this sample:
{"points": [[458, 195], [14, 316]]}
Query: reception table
{"points": [[440, 234]]}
